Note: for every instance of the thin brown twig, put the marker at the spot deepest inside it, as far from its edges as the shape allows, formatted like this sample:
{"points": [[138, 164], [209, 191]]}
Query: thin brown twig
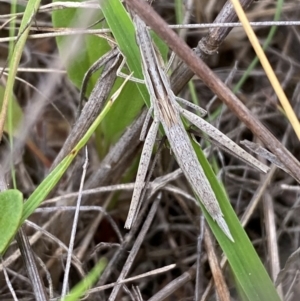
{"points": [[220, 283], [208, 45]]}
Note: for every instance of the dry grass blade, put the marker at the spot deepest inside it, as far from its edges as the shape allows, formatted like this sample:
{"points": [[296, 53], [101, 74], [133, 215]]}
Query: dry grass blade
{"points": [[94, 106], [31, 267], [267, 67], [221, 287]]}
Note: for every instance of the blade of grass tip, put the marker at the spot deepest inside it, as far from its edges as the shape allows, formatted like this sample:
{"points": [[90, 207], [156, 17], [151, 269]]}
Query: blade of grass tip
{"points": [[267, 67], [245, 264], [47, 184], [31, 8]]}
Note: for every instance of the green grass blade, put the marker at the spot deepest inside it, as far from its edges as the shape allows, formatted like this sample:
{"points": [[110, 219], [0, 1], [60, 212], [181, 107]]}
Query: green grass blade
{"points": [[81, 288], [135, 95], [15, 53], [15, 115], [31, 8], [121, 25], [47, 184], [91, 47], [11, 207], [249, 272]]}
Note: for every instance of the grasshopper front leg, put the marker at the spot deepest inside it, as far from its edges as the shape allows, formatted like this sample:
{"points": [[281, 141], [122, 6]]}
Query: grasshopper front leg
{"points": [[141, 174]]}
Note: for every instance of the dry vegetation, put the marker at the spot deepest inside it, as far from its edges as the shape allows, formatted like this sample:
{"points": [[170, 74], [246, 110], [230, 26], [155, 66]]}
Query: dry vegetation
{"points": [[172, 238]]}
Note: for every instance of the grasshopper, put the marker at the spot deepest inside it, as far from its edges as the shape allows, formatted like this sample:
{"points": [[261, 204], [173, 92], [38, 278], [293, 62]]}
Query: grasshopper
{"points": [[166, 111]]}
